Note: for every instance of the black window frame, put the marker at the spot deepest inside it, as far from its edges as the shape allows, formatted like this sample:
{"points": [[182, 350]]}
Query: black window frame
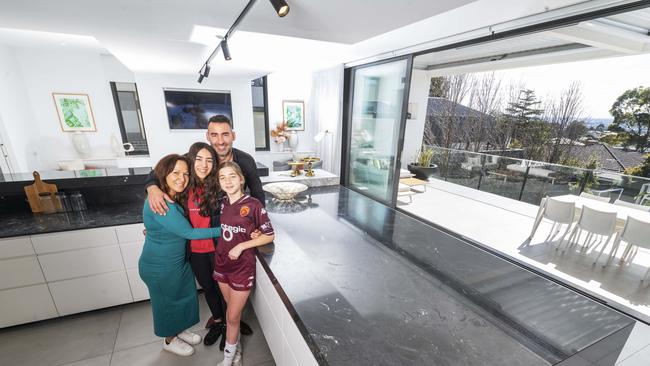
{"points": [[267, 137]]}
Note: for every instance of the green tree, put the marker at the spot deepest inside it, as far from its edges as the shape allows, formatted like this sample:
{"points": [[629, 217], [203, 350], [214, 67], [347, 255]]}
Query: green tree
{"points": [[642, 170], [527, 125], [631, 113]]}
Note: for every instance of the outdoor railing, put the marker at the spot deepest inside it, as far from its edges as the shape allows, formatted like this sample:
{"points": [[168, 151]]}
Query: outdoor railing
{"points": [[529, 181]]}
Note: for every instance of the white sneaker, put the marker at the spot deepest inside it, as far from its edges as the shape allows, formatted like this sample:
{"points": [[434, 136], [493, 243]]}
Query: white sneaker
{"points": [[189, 337], [237, 360], [178, 347]]}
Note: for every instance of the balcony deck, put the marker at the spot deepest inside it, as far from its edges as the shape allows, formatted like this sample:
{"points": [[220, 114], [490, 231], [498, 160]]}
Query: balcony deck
{"points": [[502, 225]]}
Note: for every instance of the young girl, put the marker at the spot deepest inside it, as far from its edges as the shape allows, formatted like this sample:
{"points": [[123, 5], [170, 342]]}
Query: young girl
{"points": [[234, 270]]}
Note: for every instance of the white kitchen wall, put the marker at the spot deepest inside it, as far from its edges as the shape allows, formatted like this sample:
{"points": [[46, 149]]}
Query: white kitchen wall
{"points": [[30, 117], [162, 140], [18, 124]]}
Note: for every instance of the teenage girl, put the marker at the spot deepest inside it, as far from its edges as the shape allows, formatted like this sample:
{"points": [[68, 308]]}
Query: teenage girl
{"points": [[234, 270]]}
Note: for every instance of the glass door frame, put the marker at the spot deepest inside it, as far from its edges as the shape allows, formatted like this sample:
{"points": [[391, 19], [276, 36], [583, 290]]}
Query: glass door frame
{"points": [[348, 93]]}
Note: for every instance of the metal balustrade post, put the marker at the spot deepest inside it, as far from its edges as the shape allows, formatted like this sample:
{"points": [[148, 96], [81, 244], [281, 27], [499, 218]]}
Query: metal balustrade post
{"points": [[521, 193]]}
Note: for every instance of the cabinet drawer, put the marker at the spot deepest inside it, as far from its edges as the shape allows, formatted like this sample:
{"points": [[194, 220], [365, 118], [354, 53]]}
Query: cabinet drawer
{"points": [[18, 272], [138, 288], [25, 305], [16, 247], [83, 262], [89, 293], [130, 233], [131, 254], [78, 239]]}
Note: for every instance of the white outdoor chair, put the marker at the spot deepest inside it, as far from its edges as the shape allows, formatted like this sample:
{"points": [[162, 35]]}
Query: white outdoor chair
{"points": [[631, 205], [636, 233], [594, 222], [560, 213], [594, 197]]}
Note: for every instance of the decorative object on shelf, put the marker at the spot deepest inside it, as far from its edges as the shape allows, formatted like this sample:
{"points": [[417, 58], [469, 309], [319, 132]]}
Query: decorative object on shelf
{"points": [[296, 166], [284, 191], [293, 112], [120, 149], [310, 160], [293, 140], [34, 190], [75, 112], [81, 144], [280, 134], [421, 166]]}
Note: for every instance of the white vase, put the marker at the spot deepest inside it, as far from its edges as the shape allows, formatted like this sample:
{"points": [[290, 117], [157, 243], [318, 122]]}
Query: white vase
{"points": [[293, 140], [81, 143]]}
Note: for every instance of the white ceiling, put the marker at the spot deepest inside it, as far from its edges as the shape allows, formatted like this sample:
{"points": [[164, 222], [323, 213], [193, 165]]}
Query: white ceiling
{"points": [[619, 35], [154, 35]]}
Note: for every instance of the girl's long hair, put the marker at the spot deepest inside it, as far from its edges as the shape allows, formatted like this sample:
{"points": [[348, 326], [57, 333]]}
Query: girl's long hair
{"points": [[209, 199]]}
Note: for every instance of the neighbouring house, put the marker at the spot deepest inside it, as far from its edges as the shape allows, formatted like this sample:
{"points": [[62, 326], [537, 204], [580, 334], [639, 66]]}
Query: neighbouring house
{"points": [[608, 157]]}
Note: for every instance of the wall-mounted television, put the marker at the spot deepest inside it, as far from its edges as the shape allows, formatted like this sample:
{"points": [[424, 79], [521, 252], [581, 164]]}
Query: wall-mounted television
{"points": [[191, 109]]}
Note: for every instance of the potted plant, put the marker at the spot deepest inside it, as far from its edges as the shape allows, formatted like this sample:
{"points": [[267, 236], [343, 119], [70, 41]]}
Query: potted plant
{"points": [[422, 166]]}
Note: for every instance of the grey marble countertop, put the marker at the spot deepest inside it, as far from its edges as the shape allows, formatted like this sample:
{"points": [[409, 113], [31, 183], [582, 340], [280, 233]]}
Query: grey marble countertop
{"points": [[368, 285], [100, 216]]}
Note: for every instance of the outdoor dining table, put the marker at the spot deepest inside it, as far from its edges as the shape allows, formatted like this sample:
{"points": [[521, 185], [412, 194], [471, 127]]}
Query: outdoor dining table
{"points": [[622, 212]]}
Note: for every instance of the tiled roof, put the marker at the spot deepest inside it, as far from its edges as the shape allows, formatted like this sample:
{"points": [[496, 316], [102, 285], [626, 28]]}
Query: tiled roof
{"points": [[608, 157]]}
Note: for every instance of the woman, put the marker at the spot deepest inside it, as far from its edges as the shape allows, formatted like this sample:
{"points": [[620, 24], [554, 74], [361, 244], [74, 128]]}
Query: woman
{"points": [[162, 264], [241, 214], [202, 207]]}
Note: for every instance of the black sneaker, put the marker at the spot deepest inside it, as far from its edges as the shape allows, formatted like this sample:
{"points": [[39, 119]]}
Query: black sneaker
{"points": [[213, 334], [244, 328], [222, 343]]}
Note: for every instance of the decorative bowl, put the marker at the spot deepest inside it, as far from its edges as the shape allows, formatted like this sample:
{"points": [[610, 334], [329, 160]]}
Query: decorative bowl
{"points": [[284, 191]]}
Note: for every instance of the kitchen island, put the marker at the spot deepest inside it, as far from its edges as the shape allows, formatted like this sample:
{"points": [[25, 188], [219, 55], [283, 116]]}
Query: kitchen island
{"points": [[350, 281]]}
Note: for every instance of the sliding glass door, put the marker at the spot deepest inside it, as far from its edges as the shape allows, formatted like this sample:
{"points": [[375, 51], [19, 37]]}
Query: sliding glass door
{"points": [[375, 127]]}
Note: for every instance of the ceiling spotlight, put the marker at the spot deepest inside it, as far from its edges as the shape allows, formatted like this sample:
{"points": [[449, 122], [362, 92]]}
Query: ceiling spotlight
{"points": [[206, 70], [280, 7], [225, 50], [201, 78]]}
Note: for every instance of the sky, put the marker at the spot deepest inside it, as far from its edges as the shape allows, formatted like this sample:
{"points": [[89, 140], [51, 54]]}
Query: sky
{"points": [[602, 80]]}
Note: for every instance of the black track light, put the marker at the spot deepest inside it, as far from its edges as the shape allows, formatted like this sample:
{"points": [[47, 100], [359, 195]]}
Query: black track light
{"points": [[206, 70], [225, 50], [201, 78], [281, 7]]}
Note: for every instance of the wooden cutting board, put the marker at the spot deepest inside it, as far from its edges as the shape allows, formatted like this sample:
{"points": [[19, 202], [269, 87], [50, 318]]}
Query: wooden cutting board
{"points": [[33, 190]]}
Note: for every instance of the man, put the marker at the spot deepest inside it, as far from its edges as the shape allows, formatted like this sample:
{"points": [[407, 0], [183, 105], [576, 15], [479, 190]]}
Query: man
{"points": [[221, 136]]}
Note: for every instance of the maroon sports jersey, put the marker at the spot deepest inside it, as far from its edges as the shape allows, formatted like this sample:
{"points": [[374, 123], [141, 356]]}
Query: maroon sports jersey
{"points": [[238, 221]]}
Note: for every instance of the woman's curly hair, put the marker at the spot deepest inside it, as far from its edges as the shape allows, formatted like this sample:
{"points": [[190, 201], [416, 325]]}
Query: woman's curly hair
{"points": [[209, 199]]}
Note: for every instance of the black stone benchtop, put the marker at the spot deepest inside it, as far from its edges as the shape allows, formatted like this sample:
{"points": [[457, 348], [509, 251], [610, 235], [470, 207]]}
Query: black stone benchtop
{"points": [[19, 224], [367, 285]]}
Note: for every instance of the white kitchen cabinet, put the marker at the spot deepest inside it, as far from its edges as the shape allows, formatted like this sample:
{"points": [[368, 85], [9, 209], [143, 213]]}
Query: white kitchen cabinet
{"points": [[25, 305], [70, 240], [79, 263], [89, 293], [18, 272], [131, 253], [16, 247], [130, 233], [138, 288]]}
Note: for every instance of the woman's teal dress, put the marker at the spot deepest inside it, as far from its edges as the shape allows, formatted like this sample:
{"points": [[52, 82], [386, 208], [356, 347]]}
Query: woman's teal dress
{"points": [[165, 271]]}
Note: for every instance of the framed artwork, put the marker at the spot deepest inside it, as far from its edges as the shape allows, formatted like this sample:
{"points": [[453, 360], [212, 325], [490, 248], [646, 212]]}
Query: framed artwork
{"points": [[293, 112], [75, 112]]}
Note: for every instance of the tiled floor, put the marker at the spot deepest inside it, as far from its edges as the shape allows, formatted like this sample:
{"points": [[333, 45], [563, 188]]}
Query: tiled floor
{"points": [[504, 224], [119, 336]]}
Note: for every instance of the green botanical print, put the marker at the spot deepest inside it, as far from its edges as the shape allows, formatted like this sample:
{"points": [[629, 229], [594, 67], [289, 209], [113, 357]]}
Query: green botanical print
{"points": [[294, 116], [74, 113]]}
